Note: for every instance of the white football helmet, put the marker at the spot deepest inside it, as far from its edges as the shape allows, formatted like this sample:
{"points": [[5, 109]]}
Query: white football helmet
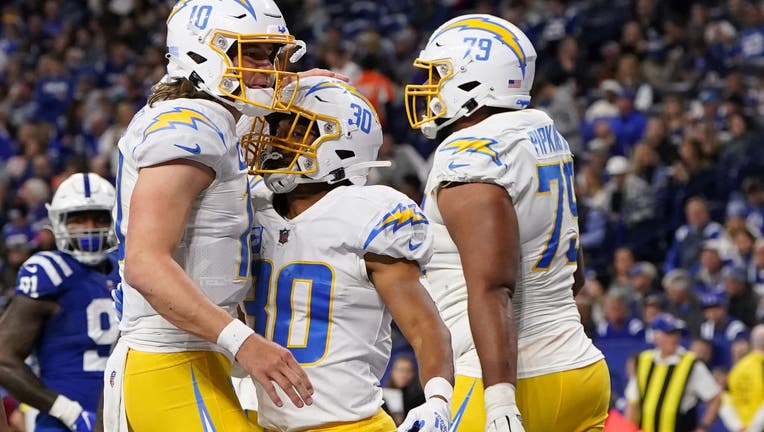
{"points": [[471, 61], [330, 133], [79, 193], [203, 37]]}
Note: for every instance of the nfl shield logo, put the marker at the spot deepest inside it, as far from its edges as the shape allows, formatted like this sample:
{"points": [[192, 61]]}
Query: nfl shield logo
{"points": [[111, 378], [283, 236]]}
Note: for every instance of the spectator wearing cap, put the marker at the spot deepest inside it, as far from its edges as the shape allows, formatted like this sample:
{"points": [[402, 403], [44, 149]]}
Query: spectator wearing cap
{"points": [[756, 268], [689, 238], [743, 302], [628, 197], [619, 322], [604, 107], [720, 329], [746, 384], [680, 300], [669, 383]]}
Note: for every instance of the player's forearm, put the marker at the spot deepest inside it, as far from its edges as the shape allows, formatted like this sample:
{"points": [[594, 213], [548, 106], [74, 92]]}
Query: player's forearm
{"points": [[167, 288], [24, 385], [494, 333], [432, 347]]}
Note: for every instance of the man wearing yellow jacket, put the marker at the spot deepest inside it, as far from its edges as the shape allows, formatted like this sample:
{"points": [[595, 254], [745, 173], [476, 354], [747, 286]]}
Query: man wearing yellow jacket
{"points": [[670, 383]]}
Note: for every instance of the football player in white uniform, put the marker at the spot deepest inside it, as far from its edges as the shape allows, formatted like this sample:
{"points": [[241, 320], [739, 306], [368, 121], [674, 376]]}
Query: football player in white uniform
{"points": [[183, 219], [506, 262], [336, 261]]}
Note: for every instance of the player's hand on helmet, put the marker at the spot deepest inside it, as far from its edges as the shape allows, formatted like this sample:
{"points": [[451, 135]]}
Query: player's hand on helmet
{"points": [[117, 295], [431, 416], [85, 422], [321, 72], [268, 362], [502, 414]]}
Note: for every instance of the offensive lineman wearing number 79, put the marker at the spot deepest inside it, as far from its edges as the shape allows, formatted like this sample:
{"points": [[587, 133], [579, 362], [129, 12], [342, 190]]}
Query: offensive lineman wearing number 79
{"points": [[502, 207]]}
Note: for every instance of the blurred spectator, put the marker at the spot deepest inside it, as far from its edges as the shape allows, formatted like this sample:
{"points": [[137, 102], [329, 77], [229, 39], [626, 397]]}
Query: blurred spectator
{"points": [[754, 200], [743, 302], [403, 378], [405, 161], [619, 322], [376, 86], [681, 302], [653, 308], [629, 203], [605, 107], [689, 238], [638, 93], [642, 277], [623, 262], [756, 269], [338, 60], [746, 384], [556, 101], [719, 329], [709, 273], [567, 67]]}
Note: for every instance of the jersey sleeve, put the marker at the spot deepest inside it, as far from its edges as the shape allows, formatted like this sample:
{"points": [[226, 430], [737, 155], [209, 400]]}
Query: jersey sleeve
{"points": [[480, 159], [189, 131], [43, 275], [397, 227]]}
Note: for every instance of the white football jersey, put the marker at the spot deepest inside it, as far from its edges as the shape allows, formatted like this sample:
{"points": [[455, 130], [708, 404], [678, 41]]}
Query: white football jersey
{"points": [[313, 296], [523, 152], [214, 251]]}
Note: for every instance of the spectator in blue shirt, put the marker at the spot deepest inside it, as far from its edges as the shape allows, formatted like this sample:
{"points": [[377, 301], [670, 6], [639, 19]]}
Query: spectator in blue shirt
{"points": [[619, 323], [720, 329], [689, 238]]}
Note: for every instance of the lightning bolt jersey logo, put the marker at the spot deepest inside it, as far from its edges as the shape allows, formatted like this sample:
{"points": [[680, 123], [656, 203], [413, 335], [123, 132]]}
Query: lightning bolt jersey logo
{"points": [[474, 145], [181, 117], [500, 33], [399, 217]]}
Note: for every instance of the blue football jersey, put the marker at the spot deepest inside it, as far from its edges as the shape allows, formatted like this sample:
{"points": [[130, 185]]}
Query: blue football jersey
{"points": [[76, 340]]}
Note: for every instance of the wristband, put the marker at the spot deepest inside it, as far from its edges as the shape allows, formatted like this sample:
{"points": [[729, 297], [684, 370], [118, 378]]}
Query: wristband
{"points": [[66, 410], [438, 386], [233, 336], [497, 395]]}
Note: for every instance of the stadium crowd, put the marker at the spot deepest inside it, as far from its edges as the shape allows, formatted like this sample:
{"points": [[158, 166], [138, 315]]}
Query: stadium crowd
{"points": [[662, 102]]}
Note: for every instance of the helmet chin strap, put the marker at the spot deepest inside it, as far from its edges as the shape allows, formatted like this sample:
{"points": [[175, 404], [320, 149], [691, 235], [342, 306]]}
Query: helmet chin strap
{"points": [[430, 129]]}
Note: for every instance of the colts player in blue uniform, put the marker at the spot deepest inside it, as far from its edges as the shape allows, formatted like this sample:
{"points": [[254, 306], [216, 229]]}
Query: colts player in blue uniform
{"points": [[62, 311]]}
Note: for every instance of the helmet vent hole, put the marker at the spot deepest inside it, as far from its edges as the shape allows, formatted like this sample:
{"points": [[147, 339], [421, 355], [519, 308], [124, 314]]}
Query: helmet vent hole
{"points": [[469, 85], [196, 57], [345, 154]]}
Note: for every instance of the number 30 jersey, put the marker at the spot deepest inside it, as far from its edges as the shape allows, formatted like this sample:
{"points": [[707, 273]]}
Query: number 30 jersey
{"points": [[524, 153], [76, 340], [313, 296], [214, 249]]}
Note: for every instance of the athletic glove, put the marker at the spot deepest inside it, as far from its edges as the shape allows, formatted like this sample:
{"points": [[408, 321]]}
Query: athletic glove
{"points": [[433, 415], [502, 414]]}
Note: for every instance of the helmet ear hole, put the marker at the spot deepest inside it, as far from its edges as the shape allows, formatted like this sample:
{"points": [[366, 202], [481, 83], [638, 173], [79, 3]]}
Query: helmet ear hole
{"points": [[468, 85], [198, 58], [345, 154]]}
